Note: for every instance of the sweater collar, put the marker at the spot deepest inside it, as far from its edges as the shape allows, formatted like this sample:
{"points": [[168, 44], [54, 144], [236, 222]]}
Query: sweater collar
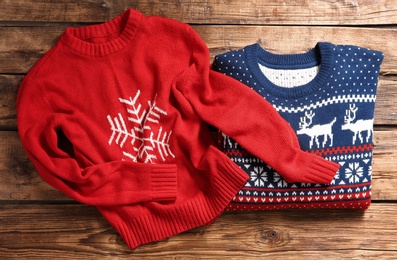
{"points": [[322, 54], [91, 40]]}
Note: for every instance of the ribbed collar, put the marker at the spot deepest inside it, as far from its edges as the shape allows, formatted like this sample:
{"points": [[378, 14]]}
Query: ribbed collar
{"points": [[322, 54], [125, 24]]}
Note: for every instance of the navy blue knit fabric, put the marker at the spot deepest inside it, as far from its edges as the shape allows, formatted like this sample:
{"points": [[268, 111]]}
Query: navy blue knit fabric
{"points": [[332, 113]]}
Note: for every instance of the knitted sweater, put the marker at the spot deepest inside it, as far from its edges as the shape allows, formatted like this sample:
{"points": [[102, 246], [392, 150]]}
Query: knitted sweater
{"points": [[115, 114], [328, 96]]}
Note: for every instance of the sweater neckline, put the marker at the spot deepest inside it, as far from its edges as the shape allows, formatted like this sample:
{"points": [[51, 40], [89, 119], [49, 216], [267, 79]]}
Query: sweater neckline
{"points": [[124, 26], [322, 54]]}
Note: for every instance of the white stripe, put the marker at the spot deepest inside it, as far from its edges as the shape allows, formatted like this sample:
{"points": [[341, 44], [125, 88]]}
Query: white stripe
{"points": [[326, 102]]}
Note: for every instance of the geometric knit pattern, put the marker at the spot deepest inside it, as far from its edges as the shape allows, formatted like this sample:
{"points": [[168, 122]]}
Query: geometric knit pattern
{"points": [[328, 96]]}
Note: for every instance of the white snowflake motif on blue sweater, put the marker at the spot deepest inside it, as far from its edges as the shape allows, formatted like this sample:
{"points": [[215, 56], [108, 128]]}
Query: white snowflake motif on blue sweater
{"points": [[258, 176], [354, 172]]}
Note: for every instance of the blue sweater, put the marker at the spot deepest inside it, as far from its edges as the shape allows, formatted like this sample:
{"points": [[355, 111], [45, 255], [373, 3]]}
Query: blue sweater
{"points": [[328, 96]]}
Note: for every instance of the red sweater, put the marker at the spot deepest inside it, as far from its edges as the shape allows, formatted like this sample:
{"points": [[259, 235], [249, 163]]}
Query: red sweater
{"points": [[115, 115]]}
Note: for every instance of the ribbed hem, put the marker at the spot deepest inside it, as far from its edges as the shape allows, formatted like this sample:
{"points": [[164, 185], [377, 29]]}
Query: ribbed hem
{"points": [[344, 204], [164, 182], [125, 24], [310, 168], [201, 209]]}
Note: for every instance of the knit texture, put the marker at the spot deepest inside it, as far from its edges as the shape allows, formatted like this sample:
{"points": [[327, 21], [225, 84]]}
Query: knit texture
{"points": [[115, 115], [328, 96]]}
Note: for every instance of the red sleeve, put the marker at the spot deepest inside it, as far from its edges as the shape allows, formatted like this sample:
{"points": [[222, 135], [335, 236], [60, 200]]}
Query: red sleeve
{"points": [[100, 184], [244, 115]]}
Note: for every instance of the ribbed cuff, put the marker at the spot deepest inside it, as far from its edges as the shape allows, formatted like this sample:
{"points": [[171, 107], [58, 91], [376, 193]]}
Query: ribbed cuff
{"points": [[164, 182], [311, 168]]}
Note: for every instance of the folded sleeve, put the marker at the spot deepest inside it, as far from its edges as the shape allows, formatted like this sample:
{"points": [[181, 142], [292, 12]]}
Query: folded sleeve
{"points": [[244, 115], [99, 183]]}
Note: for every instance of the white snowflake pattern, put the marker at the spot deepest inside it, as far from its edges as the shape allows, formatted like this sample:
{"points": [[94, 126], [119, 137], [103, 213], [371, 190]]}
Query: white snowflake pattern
{"points": [[279, 180], [354, 172], [144, 140], [258, 176]]}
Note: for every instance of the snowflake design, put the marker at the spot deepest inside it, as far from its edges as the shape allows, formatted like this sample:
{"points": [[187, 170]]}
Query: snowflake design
{"points": [[258, 176], [354, 172], [144, 140], [279, 180]]}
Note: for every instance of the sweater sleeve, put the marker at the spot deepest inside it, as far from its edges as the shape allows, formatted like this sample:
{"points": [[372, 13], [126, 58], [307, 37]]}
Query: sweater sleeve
{"points": [[245, 116], [104, 183]]}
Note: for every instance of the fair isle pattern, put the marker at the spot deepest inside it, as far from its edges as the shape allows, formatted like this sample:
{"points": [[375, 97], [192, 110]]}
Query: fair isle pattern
{"points": [[145, 143], [267, 190], [332, 116], [333, 100]]}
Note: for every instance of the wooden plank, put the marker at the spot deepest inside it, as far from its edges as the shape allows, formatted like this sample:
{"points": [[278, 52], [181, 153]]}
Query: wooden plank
{"points": [[385, 110], [275, 12], [386, 96], [384, 169], [18, 178], [316, 12], [9, 85], [78, 231], [21, 47], [20, 181]]}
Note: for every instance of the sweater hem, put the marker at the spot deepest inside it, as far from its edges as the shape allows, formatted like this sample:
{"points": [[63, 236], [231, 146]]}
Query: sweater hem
{"points": [[202, 209], [363, 204]]}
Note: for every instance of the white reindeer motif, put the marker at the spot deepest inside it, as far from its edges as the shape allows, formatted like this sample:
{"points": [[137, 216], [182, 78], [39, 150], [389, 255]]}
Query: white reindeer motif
{"points": [[358, 126], [315, 131]]}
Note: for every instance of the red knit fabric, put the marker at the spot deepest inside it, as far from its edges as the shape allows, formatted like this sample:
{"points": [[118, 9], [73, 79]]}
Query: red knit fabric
{"points": [[114, 115]]}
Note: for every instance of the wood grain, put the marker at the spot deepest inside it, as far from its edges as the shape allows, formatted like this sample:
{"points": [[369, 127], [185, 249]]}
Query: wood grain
{"points": [[79, 231], [21, 182], [9, 85], [21, 47], [302, 12]]}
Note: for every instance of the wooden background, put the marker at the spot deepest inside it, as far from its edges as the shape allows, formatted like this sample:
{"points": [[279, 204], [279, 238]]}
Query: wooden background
{"points": [[37, 221]]}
